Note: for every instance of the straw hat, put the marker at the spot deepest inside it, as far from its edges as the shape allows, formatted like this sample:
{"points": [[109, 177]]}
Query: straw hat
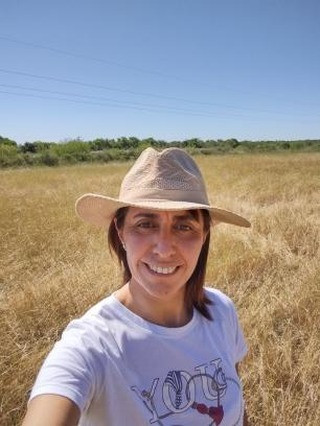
{"points": [[167, 180]]}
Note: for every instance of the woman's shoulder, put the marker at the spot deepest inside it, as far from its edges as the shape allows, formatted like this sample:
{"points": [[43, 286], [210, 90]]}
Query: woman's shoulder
{"points": [[217, 296], [220, 302], [92, 322], [101, 309]]}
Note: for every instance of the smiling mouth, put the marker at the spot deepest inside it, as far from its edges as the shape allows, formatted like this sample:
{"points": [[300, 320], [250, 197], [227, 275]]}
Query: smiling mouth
{"points": [[162, 270]]}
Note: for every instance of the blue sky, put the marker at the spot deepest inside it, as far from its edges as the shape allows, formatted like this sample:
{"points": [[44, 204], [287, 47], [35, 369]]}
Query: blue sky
{"points": [[170, 69]]}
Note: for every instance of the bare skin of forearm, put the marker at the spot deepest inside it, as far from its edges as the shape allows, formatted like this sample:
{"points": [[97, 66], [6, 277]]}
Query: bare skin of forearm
{"points": [[51, 410]]}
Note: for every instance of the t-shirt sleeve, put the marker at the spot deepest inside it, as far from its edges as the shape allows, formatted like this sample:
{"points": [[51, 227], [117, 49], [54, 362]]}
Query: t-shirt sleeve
{"points": [[72, 369], [240, 345], [227, 310]]}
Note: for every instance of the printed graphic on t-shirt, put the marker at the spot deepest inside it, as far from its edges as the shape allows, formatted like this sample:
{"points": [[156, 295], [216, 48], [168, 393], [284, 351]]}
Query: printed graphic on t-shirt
{"points": [[202, 392]]}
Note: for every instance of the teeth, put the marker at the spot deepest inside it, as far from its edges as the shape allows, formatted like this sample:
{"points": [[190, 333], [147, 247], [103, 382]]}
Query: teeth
{"points": [[161, 270]]}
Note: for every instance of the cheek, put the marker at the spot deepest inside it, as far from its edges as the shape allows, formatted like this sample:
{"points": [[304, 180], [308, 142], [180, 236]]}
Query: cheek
{"points": [[136, 246], [135, 241], [192, 248]]}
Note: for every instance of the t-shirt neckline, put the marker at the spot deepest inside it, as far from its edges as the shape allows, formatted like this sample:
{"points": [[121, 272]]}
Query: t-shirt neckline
{"points": [[150, 327]]}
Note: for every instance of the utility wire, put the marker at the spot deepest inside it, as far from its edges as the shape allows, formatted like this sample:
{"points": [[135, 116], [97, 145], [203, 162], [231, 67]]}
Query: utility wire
{"points": [[154, 110], [120, 102], [141, 70], [101, 98], [91, 58], [131, 92], [98, 86], [111, 105]]}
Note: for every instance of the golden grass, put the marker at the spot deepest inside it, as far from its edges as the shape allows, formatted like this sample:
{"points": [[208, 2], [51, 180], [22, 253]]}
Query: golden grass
{"points": [[53, 267]]}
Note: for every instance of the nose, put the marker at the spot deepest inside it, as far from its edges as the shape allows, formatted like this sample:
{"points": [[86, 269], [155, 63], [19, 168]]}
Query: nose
{"points": [[164, 244]]}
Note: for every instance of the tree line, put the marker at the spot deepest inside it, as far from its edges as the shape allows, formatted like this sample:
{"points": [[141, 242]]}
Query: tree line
{"points": [[104, 150]]}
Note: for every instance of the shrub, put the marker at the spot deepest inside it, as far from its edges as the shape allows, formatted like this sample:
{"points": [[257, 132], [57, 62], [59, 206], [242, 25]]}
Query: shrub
{"points": [[9, 155], [8, 142], [8, 151], [29, 159], [101, 156], [75, 147], [49, 159]]}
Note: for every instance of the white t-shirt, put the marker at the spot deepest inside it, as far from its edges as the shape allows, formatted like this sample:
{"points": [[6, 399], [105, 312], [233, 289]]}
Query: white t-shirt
{"points": [[122, 370]]}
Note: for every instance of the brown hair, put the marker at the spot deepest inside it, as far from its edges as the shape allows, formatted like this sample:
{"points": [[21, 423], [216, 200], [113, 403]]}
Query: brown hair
{"points": [[195, 295]]}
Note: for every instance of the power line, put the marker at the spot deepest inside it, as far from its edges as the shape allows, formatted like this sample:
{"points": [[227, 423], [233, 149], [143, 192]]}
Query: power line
{"points": [[131, 92], [91, 58], [98, 86], [121, 102], [112, 105], [101, 98], [154, 110], [141, 70]]}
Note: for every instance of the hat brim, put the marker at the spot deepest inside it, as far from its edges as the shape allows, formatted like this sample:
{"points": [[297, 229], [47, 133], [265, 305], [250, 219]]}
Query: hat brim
{"points": [[99, 210]]}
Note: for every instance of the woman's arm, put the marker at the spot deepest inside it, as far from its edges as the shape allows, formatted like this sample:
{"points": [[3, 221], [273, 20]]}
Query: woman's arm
{"points": [[51, 410], [245, 416]]}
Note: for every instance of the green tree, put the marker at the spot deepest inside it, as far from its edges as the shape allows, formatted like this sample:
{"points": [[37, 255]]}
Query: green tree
{"points": [[6, 141], [28, 147]]}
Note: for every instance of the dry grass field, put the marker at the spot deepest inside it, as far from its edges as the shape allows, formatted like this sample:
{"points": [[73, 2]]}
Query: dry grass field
{"points": [[53, 267]]}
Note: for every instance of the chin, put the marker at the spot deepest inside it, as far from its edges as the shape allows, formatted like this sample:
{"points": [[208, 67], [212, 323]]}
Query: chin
{"points": [[163, 292]]}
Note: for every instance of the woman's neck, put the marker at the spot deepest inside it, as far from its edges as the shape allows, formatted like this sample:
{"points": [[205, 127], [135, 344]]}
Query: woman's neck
{"points": [[167, 313]]}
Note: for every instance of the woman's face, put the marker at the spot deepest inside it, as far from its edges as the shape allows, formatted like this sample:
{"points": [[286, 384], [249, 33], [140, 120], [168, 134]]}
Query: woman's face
{"points": [[162, 249]]}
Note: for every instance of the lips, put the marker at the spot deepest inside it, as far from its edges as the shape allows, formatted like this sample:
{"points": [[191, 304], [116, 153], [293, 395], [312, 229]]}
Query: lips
{"points": [[161, 269]]}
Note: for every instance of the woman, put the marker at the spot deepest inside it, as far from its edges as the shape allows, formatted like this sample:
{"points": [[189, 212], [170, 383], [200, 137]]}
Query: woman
{"points": [[162, 349]]}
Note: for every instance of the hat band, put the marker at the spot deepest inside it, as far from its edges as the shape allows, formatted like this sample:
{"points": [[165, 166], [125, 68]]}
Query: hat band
{"points": [[177, 195]]}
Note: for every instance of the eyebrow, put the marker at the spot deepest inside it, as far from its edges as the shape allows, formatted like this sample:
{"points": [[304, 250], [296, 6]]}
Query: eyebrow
{"points": [[185, 216]]}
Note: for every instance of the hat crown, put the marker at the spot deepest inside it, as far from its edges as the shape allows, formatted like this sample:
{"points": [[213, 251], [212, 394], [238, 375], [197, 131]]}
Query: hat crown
{"points": [[170, 174]]}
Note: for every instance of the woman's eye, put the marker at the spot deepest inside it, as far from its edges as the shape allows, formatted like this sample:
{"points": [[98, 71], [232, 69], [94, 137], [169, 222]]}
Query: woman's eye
{"points": [[145, 225], [183, 227]]}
